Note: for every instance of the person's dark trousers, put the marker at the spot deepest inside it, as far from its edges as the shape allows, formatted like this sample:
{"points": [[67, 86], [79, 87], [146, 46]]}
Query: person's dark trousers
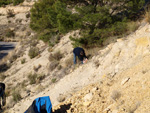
{"points": [[75, 59]]}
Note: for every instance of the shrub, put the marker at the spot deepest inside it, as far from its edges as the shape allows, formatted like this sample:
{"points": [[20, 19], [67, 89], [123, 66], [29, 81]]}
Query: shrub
{"points": [[8, 92], [23, 61], [53, 65], [4, 67], [13, 57], [55, 56], [53, 80], [59, 67], [16, 95], [97, 63], [24, 83], [10, 33], [36, 68], [69, 62], [10, 13], [147, 16], [132, 26], [27, 15], [2, 77], [33, 52], [33, 43], [41, 77], [28, 33], [32, 78]]}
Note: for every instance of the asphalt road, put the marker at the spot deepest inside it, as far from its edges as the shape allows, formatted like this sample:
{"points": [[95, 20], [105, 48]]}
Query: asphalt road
{"points": [[6, 47]]}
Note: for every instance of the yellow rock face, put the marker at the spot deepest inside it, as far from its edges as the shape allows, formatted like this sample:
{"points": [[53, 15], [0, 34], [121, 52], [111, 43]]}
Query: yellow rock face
{"points": [[143, 41]]}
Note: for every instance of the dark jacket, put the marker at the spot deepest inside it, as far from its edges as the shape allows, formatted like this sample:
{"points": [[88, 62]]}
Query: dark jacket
{"points": [[77, 52], [2, 94]]}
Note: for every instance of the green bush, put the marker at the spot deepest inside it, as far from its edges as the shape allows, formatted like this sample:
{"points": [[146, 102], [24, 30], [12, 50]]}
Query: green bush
{"points": [[33, 52], [5, 2], [17, 2]]}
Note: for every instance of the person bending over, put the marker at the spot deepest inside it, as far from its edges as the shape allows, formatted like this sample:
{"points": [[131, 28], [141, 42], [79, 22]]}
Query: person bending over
{"points": [[80, 53]]}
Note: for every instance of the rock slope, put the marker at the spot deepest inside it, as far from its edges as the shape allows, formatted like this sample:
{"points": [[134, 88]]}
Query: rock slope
{"points": [[121, 70]]}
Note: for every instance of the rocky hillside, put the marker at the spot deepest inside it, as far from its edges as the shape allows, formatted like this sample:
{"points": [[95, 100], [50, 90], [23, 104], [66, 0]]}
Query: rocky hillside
{"points": [[114, 80], [14, 22], [121, 70]]}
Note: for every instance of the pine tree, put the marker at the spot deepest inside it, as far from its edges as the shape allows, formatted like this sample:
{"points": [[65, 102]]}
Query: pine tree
{"points": [[97, 19]]}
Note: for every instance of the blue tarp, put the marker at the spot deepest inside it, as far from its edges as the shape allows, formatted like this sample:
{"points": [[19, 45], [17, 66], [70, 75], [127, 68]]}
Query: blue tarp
{"points": [[40, 103]]}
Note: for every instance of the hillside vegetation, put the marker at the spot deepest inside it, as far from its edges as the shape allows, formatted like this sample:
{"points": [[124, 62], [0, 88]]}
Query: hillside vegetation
{"points": [[96, 19], [6, 2]]}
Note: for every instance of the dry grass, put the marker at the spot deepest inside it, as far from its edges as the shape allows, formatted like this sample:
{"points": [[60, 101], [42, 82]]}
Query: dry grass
{"points": [[91, 52], [8, 92], [132, 26], [40, 78], [40, 88], [13, 58], [10, 13], [53, 65], [24, 84], [56, 56], [35, 78], [97, 63], [33, 52], [36, 68], [32, 78], [33, 42], [16, 95], [23, 61], [147, 15], [2, 77], [4, 67], [69, 62], [10, 33]]}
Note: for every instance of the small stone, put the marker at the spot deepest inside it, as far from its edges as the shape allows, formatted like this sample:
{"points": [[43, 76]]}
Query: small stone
{"points": [[94, 89], [88, 97], [87, 103], [108, 108], [125, 81], [115, 111]]}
